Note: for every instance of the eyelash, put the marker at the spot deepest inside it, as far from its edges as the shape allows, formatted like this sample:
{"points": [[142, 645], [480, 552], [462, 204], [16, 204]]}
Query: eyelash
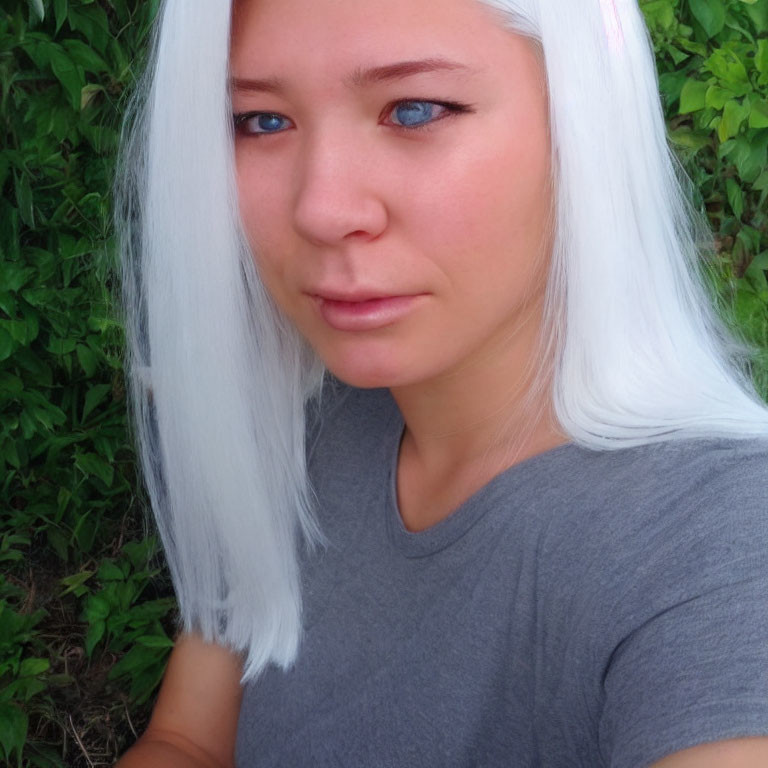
{"points": [[452, 108]]}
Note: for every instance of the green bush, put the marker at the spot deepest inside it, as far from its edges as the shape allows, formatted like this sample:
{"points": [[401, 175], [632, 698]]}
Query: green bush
{"points": [[85, 604], [712, 58], [84, 618]]}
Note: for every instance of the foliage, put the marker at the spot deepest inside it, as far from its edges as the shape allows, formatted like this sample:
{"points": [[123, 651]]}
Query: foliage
{"points": [[712, 58], [85, 606], [83, 616]]}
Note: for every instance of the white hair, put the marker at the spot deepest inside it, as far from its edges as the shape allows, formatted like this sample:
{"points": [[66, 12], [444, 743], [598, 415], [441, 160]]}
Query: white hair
{"points": [[219, 380]]}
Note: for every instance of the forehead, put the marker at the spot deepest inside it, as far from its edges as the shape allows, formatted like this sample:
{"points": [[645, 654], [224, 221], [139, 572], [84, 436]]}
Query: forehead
{"points": [[336, 38]]}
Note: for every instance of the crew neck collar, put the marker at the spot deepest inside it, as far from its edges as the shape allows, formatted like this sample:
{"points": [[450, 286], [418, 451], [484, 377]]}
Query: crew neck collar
{"points": [[444, 533]]}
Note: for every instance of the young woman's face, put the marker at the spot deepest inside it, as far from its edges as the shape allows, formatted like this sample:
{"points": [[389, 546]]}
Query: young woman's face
{"points": [[393, 165]]}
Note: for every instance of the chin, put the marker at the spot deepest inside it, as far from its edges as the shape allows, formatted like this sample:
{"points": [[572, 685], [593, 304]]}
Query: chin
{"points": [[364, 377], [371, 371]]}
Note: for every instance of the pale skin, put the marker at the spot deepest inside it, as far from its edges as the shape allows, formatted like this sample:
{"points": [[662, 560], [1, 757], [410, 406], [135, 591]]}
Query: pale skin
{"points": [[456, 215]]}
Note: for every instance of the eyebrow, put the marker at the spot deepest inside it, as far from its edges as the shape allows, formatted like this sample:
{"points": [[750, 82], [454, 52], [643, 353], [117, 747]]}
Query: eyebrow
{"points": [[360, 78]]}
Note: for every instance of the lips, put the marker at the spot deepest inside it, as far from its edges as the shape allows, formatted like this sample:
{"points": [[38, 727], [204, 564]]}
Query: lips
{"points": [[363, 310], [352, 298]]}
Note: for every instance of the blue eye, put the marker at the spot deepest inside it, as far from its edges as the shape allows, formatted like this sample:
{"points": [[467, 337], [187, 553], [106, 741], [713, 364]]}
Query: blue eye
{"points": [[414, 114], [259, 123], [418, 114]]}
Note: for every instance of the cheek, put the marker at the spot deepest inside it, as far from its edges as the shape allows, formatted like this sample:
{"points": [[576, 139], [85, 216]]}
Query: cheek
{"points": [[263, 206], [490, 205], [258, 199]]}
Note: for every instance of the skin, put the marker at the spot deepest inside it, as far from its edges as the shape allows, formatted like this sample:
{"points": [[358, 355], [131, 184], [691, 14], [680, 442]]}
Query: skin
{"points": [[457, 214]]}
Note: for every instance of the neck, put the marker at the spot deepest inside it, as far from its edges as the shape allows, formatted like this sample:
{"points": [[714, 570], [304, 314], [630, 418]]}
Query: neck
{"points": [[485, 413]]}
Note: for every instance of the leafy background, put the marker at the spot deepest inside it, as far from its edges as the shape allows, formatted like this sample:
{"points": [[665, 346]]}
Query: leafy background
{"points": [[86, 607]]}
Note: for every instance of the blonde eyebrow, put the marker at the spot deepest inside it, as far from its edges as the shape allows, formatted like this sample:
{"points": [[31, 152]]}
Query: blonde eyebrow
{"points": [[360, 78]]}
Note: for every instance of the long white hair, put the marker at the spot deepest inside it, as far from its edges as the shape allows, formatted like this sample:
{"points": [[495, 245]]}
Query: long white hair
{"points": [[219, 380]]}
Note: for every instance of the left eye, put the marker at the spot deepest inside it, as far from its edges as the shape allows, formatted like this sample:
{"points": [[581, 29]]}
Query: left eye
{"points": [[414, 114]]}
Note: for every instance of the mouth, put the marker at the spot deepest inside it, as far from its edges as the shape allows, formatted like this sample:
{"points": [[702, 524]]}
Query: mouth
{"points": [[363, 311], [352, 297]]}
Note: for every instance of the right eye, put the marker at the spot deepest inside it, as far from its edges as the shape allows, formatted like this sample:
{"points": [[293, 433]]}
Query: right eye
{"points": [[259, 123]]}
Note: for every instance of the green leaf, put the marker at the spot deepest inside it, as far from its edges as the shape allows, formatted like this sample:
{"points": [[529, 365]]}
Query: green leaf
{"points": [[762, 182], [57, 542], [677, 55], [88, 360], [38, 297], [13, 276], [85, 532], [37, 8], [68, 74], [729, 68], [89, 93], [31, 667], [85, 56], [96, 608], [24, 199], [94, 633], [44, 411], [91, 464], [758, 115], [17, 329], [750, 156], [13, 730], [76, 580], [137, 658], [710, 14], [10, 453], [659, 13], [60, 12], [27, 424], [734, 114], [761, 57], [139, 552], [758, 12], [32, 322], [693, 96], [717, 97], [155, 641], [108, 571], [92, 21], [6, 344], [735, 197], [10, 384], [58, 346], [757, 265], [7, 301], [48, 415], [94, 397]]}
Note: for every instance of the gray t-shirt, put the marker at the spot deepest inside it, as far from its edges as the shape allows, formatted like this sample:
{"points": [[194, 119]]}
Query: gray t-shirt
{"points": [[584, 608]]}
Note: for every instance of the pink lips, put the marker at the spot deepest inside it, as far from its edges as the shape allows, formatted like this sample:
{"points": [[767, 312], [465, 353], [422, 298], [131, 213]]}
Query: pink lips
{"points": [[363, 312]]}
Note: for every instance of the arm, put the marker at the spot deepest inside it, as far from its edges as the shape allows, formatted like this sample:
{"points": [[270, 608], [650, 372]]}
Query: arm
{"points": [[734, 753], [194, 721]]}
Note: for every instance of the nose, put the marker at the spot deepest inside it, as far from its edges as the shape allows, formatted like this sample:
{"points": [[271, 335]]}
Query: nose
{"points": [[337, 197]]}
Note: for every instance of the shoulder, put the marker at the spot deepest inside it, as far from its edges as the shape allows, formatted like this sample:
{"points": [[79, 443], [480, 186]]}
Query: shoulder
{"points": [[692, 502], [679, 485], [634, 506], [652, 526], [693, 463]]}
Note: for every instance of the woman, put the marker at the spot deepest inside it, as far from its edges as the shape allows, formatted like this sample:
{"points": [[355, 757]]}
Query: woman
{"points": [[438, 312]]}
